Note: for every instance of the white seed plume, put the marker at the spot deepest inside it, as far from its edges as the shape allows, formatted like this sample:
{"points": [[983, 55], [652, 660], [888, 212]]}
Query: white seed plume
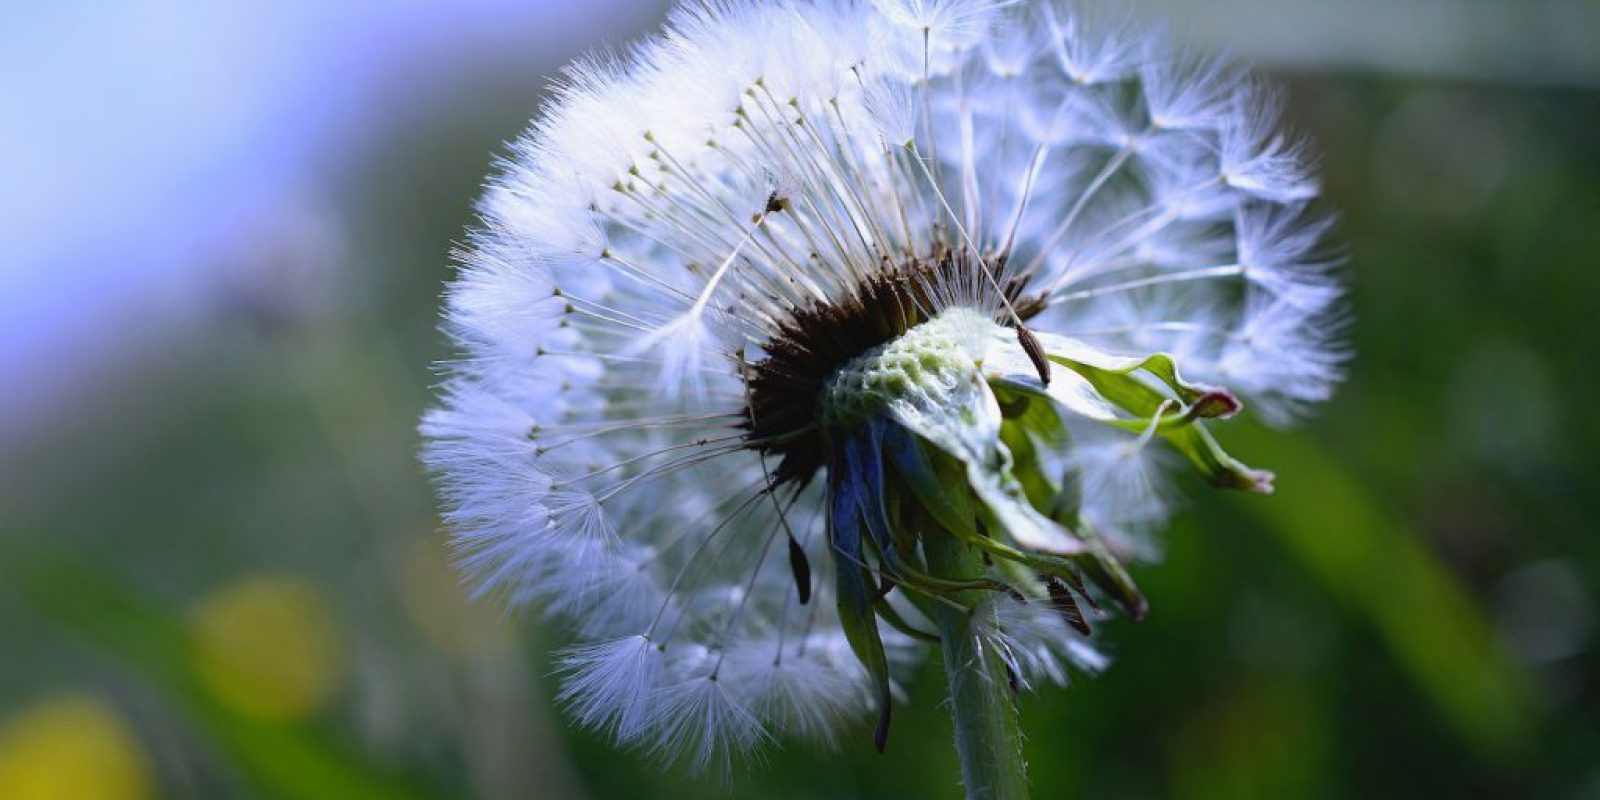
{"points": [[671, 211]]}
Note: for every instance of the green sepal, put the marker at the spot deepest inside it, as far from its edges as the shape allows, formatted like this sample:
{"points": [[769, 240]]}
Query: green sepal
{"points": [[1184, 432], [1112, 578], [855, 597], [863, 464], [936, 482], [1096, 383], [965, 424], [1034, 432]]}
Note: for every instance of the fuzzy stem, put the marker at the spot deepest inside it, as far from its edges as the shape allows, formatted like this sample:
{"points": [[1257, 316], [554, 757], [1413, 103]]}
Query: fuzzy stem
{"points": [[988, 739]]}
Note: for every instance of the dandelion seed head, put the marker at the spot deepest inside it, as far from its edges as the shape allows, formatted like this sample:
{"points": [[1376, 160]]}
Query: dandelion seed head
{"points": [[758, 303]]}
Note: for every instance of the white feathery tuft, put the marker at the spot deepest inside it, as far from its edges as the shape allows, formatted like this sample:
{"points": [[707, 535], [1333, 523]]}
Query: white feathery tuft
{"points": [[1121, 478], [699, 720], [1036, 643], [612, 684]]}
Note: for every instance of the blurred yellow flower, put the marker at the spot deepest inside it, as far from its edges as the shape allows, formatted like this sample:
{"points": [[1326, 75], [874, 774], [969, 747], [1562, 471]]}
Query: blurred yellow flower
{"points": [[72, 746], [267, 646]]}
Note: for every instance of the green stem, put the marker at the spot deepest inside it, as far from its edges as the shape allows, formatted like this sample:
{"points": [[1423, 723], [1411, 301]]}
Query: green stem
{"points": [[988, 739]]}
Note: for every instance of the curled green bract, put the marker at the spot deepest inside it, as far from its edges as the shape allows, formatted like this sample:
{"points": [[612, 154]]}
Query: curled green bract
{"points": [[948, 431]]}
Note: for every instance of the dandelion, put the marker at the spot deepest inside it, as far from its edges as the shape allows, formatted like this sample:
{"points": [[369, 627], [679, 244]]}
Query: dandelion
{"points": [[810, 336]]}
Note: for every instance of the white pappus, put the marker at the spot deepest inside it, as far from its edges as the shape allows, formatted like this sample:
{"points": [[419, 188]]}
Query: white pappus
{"points": [[757, 304]]}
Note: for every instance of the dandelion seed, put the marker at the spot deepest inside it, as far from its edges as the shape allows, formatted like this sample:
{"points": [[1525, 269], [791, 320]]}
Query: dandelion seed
{"points": [[810, 333]]}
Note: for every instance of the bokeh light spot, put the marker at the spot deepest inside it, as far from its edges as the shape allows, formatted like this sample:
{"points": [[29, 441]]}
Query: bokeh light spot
{"points": [[72, 746], [267, 646]]}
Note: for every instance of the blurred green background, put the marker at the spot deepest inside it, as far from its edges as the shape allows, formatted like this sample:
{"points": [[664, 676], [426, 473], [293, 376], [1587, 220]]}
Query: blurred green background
{"points": [[220, 569]]}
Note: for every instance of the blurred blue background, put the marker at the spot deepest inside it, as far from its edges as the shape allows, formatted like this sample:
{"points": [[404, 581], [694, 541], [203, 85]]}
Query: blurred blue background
{"points": [[223, 231]]}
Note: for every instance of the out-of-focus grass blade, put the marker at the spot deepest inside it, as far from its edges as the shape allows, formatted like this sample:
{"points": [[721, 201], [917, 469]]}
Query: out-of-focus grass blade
{"points": [[1371, 561], [289, 760]]}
